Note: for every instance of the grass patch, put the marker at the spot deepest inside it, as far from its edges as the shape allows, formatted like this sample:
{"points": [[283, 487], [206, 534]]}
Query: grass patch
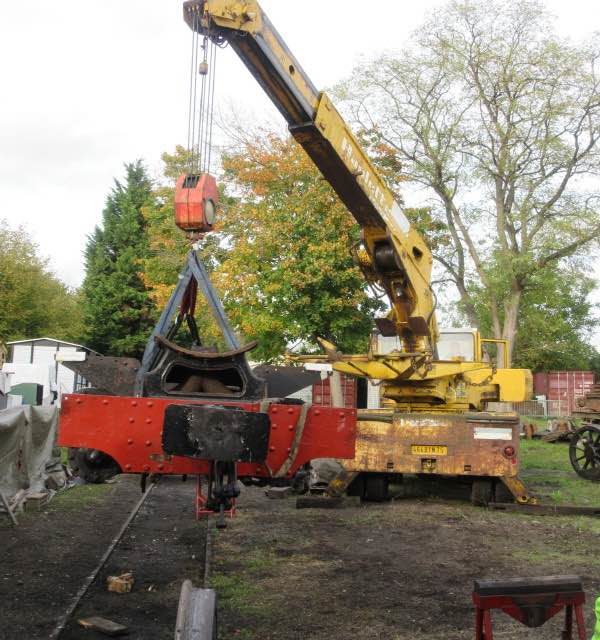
{"points": [[539, 554], [547, 470], [241, 594], [80, 496], [537, 454], [259, 560]]}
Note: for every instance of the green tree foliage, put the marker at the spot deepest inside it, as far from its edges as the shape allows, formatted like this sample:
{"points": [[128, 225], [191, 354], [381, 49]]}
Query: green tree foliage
{"points": [[281, 255], [33, 301], [118, 310], [556, 321], [496, 119]]}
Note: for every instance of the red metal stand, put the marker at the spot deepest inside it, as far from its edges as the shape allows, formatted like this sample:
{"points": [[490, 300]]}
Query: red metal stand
{"points": [[531, 601], [201, 510]]}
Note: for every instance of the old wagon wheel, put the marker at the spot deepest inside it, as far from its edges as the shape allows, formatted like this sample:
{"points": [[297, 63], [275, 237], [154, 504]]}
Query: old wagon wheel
{"points": [[584, 452]]}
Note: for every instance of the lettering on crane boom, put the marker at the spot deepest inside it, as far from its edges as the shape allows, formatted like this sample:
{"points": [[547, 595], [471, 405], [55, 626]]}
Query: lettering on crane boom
{"points": [[392, 214]]}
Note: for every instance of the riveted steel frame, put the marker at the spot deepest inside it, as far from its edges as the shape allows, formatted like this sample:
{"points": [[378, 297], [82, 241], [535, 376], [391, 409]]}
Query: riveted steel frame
{"points": [[129, 429]]}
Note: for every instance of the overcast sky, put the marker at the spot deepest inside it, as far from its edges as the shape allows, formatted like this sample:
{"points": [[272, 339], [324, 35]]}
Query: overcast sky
{"points": [[87, 85]]}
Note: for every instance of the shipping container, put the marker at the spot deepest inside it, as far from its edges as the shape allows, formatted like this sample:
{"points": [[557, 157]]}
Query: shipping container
{"points": [[321, 392], [563, 387]]}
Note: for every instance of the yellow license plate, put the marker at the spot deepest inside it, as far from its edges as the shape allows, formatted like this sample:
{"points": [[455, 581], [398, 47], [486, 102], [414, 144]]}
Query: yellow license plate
{"points": [[428, 450]]}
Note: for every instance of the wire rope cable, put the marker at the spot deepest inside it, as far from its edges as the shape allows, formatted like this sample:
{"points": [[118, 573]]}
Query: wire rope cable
{"points": [[201, 101]]}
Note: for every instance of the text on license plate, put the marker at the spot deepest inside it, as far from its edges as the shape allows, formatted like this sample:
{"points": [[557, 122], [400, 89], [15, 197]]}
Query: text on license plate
{"points": [[428, 450]]}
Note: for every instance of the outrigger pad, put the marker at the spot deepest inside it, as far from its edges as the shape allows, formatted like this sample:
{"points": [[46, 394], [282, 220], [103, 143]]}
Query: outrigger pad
{"points": [[214, 432]]}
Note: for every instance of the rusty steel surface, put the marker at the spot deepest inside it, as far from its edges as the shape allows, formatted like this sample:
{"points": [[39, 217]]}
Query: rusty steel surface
{"points": [[589, 406], [445, 444], [283, 381], [129, 429], [115, 375]]}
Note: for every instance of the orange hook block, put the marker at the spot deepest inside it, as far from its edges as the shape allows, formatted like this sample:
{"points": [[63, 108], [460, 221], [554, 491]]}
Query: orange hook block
{"points": [[196, 199]]}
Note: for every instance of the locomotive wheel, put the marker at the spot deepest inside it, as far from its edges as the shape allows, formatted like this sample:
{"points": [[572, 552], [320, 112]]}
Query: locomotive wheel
{"points": [[584, 452], [92, 465]]}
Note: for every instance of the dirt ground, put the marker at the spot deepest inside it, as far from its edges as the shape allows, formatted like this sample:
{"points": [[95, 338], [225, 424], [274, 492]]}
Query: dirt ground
{"points": [[46, 559], [392, 571], [397, 571]]}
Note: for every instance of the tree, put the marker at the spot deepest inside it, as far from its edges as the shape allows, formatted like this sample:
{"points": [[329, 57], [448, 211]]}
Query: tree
{"points": [[33, 301], [119, 313], [556, 321], [281, 258], [499, 120]]}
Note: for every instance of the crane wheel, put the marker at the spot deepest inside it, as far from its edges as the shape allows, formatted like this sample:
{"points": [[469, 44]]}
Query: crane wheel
{"points": [[502, 492]]}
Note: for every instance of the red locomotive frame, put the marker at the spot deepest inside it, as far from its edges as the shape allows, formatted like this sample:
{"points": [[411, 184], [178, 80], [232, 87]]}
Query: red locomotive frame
{"points": [[129, 429]]}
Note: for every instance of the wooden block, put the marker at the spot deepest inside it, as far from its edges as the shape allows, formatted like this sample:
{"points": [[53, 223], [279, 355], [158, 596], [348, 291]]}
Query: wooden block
{"points": [[35, 501], [103, 625], [120, 584]]}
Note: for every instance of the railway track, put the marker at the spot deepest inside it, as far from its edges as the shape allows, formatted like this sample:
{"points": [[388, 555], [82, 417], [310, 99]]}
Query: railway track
{"points": [[149, 524]]}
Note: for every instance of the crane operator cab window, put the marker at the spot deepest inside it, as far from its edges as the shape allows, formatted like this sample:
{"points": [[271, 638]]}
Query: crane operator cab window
{"points": [[456, 344]]}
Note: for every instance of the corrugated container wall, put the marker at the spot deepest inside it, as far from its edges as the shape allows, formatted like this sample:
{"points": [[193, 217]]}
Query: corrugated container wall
{"points": [[321, 394], [566, 386]]}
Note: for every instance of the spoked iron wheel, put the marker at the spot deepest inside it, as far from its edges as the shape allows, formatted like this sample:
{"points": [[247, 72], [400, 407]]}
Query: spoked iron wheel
{"points": [[584, 452]]}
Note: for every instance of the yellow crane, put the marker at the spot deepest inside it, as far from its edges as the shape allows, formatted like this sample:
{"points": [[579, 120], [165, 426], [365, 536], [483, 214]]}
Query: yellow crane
{"points": [[433, 419]]}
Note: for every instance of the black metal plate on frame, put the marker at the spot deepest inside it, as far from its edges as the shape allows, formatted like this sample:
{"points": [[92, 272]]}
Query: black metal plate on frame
{"points": [[214, 432]]}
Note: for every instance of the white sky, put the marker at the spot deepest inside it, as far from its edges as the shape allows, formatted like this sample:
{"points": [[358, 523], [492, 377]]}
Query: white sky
{"points": [[87, 85]]}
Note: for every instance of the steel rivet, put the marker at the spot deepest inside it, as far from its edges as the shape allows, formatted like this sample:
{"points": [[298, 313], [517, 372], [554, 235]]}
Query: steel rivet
{"points": [[271, 448], [150, 404], [288, 449], [134, 404], [290, 410], [131, 420], [104, 401], [148, 420], [317, 413], [146, 467], [291, 427], [148, 443], [161, 466], [128, 467], [129, 441], [273, 426], [342, 415], [78, 401], [274, 410]]}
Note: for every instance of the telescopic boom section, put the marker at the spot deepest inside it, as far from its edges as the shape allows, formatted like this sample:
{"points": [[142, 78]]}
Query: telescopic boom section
{"points": [[394, 255]]}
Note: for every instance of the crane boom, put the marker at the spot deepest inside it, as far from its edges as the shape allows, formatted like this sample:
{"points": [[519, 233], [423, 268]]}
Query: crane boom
{"points": [[394, 255]]}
